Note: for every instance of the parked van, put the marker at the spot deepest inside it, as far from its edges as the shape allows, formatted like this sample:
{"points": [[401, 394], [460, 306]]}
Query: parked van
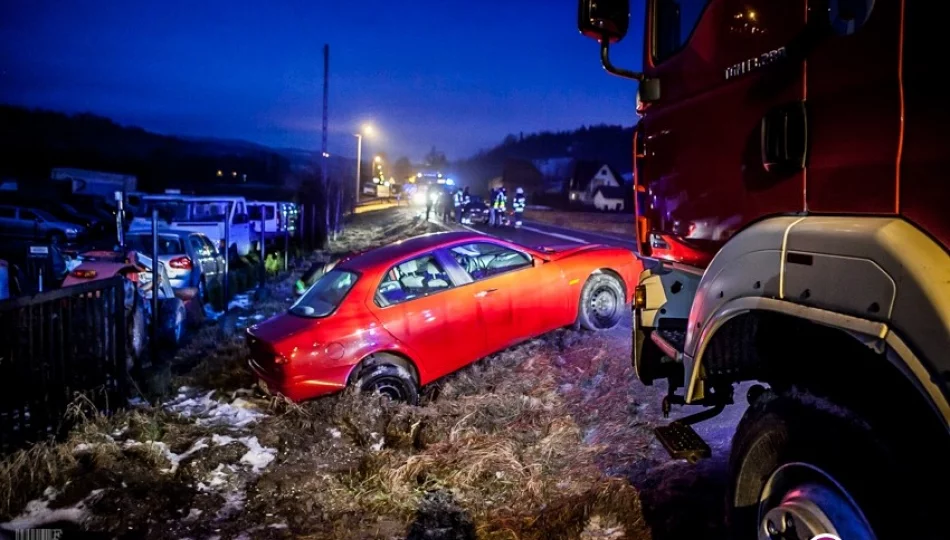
{"points": [[278, 216], [210, 215]]}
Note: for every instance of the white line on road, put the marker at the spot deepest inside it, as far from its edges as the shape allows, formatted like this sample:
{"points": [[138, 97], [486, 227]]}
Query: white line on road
{"points": [[556, 235]]}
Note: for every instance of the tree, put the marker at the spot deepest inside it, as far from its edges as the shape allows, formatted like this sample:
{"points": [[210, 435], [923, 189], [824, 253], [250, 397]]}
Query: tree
{"points": [[436, 159], [402, 169]]}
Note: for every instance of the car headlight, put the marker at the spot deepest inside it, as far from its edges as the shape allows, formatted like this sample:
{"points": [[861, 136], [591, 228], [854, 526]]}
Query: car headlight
{"points": [[72, 230]]}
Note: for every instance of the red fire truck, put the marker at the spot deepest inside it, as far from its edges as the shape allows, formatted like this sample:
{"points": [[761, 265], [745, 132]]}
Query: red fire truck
{"points": [[791, 164]]}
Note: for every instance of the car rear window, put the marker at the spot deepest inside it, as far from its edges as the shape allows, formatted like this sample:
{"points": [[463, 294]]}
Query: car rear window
{"points": [[325, 295], [167, 245]]}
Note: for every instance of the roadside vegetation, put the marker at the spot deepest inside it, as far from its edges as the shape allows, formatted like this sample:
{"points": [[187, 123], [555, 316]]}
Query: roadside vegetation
{"points": [[551, 439]]}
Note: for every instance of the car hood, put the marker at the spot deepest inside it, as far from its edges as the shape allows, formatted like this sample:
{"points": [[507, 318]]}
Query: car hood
{"points": [[558, 252]]}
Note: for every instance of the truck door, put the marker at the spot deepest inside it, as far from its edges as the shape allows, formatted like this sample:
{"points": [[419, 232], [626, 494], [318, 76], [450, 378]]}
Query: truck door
{"points": [[729, 72], [854, 109]]}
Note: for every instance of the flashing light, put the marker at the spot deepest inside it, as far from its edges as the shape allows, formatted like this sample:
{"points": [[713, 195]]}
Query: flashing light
{"points": [[378, 159], [220, 172], [449, 181], [419, 198], [419, 175], [439, 175], [375, 180], [326, 154]]}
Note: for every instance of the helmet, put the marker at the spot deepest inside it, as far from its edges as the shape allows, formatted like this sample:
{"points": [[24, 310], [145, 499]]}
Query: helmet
{"points": [[519, 191]]}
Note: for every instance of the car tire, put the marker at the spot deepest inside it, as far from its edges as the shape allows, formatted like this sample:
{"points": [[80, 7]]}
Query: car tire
{"points": [[172, 318], [390, 380], [602, 303], [202, 289], [137, 333], [795, 452]]}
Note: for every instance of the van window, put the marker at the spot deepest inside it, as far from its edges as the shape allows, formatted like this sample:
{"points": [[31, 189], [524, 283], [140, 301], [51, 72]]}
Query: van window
{"points": [[673, 25]]}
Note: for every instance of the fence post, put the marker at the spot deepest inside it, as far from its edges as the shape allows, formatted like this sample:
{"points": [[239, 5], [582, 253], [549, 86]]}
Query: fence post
{"points": [[227, 259], [263, 247], [286, 240], [155, 278]]}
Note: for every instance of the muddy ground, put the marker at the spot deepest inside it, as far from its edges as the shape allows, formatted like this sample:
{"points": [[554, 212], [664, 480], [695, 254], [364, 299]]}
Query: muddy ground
{"points": [[551, 439]]}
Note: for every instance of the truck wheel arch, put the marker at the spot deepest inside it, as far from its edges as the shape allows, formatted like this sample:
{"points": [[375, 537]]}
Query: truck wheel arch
{"points": [[877, 279]]}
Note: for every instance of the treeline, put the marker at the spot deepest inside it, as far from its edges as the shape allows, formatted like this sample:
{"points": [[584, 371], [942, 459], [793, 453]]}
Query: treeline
{"points": [[34, 141]]}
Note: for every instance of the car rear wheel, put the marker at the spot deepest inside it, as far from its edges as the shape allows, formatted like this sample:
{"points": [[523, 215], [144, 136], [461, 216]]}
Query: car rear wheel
{"points": [[602, 303], [390, 380], [172, 317]]}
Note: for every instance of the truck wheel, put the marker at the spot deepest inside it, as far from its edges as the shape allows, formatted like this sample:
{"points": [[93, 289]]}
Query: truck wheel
{"points": [[172, 317], [602, 303], [390, 380], [802, 466]]}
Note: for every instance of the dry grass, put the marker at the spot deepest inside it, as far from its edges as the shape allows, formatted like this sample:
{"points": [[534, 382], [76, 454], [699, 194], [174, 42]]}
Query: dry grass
{"points": [[607, 222], [530, 443]]}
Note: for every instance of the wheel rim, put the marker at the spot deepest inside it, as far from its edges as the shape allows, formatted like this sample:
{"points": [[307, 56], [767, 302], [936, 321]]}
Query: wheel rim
{"points": [[389, 387], [802, 502], [604, 307]]}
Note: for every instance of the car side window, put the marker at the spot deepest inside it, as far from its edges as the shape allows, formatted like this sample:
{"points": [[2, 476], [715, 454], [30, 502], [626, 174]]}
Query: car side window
{"points": [[27, 215], [412, 279], [198, 245], [483, 259], [209, 245], [7, 212]]}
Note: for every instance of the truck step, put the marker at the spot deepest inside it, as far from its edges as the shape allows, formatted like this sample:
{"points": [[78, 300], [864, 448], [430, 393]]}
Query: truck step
{"points": [[682, 442]]}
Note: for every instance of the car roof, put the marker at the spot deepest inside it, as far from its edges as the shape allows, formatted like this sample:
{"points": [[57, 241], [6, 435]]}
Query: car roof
{"points": [[163, 231], [397, 251]]}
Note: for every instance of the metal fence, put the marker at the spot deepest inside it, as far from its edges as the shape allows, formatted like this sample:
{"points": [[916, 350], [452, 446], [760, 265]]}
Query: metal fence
{"points": [[54, 346]]}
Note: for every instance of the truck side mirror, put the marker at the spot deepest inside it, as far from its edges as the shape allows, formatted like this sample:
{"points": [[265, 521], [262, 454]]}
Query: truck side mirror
{"points": [[604, 20]]}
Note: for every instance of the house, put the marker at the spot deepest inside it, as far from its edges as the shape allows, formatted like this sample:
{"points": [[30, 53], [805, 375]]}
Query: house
{"points": [[610, 198], [587, 179]]}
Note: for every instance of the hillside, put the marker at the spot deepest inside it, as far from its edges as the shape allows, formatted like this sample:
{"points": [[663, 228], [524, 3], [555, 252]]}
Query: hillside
{"points": [[34, 141]]}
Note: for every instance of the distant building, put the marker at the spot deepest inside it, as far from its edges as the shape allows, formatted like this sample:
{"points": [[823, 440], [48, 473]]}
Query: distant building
{"points": [[610, 199]]}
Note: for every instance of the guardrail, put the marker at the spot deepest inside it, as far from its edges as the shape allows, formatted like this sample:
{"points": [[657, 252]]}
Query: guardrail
{"points": [[54, 346]]}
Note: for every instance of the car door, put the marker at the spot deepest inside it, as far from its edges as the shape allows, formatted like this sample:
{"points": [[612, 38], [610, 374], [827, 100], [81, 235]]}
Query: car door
{"points": [[508, 291], [201, 257], [423, 307], [28, 224], [216, 264], [8, 221]]}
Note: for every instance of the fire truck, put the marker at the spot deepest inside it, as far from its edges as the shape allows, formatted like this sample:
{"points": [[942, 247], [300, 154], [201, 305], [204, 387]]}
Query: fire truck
{"points": [[793, 206]]}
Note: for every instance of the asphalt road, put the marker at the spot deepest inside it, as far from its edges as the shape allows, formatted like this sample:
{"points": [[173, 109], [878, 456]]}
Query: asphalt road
{"points": [[534, 234]]}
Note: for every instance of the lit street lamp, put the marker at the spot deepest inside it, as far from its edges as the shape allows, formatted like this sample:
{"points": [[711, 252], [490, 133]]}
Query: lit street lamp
{"points": [[368, 131]]}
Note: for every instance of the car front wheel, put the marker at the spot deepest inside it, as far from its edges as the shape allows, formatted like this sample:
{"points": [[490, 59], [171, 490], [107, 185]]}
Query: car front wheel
{"points": [[602, 303]]}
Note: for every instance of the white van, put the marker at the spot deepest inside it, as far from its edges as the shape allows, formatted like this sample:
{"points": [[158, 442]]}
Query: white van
{"points": [[208, 215]]}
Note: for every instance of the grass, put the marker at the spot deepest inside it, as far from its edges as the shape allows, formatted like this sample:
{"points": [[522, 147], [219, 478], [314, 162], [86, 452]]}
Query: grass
{"points": [[532, 443]]}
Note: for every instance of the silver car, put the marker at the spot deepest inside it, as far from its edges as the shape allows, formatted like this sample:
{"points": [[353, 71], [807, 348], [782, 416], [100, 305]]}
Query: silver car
{"points": [[190, 258]]}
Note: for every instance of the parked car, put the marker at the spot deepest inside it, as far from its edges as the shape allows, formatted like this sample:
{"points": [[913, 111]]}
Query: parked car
{"points": [[35, 224], [401, 316], [476, 211], [136, 268], [191, 259]]}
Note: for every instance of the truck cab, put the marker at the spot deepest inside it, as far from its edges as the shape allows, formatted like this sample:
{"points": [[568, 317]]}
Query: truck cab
{"points": [[789, 166]]}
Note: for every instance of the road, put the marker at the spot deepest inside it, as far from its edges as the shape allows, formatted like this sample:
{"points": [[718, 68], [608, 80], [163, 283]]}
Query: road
{"points": [[534, 234]]}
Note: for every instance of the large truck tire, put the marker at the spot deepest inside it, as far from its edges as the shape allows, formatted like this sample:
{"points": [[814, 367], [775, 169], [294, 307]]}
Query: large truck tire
{"points": [[802, 466], [172, 319]]}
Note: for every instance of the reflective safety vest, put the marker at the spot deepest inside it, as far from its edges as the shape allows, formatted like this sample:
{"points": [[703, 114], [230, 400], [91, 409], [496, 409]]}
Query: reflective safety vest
{"points": [[458, 198], [518, 203], [501, 200]]}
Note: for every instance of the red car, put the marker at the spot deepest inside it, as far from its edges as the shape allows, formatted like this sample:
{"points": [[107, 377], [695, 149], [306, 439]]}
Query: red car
{"points": [[398, 317]]}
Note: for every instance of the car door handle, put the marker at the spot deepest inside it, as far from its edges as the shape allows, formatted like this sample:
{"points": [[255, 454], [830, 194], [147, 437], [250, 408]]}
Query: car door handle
{"points": [[483, 294]]}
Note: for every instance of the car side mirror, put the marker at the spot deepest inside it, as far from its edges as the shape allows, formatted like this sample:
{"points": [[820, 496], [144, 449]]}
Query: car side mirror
{"points": [[604, 20], [536, 261]]}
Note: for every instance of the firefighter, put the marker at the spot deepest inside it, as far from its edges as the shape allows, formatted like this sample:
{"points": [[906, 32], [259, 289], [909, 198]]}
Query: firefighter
{"points": [[492, 193], [500, 205], [431, 197], [518, 205], [458, 200]]}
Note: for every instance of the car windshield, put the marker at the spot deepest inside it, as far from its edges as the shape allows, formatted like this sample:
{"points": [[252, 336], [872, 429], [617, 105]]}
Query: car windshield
{"points": [[325, 295], [167, 245]]}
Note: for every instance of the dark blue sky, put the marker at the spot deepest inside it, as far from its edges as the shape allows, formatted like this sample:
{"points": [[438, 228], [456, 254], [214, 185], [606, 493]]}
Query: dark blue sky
{"points": [[459, 75]]}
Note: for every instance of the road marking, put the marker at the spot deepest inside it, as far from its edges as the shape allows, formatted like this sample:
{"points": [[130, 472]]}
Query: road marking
{"points": [[556, 235]]}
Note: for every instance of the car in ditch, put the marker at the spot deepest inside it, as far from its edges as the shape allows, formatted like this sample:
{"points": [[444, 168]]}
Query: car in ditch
{"points": [[398, 317]]}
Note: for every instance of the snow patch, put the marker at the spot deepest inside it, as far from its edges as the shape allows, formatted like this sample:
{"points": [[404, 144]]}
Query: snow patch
{"points": [[240, 301], [334, 432], [257, 456], [38, 513], [173, 458], [206, 411]]}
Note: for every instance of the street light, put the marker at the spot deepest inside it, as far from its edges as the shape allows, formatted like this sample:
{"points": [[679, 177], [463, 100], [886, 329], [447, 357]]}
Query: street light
{"points": [[379, 159], [368, 131]]}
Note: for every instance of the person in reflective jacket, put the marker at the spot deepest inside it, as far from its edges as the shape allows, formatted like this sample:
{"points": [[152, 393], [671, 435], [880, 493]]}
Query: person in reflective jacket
{"points": [[499, 206], [492, 193], [458, 204], [518, 204]]}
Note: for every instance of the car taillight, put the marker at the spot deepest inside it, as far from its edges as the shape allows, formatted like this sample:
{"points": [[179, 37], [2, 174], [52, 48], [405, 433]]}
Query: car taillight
{"points": [[181, 263], [83, 274]]}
